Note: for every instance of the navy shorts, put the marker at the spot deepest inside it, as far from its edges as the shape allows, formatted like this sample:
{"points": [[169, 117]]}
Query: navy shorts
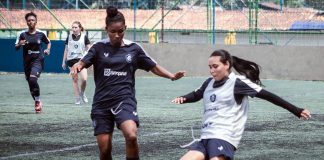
{"points": [[105, 122], [33, 67], [71, 62], [214, 148]]}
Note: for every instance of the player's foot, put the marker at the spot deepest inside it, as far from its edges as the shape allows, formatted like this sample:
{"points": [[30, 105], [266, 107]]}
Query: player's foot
{"points": [[38, 106], [84, 98], [78, 101]]}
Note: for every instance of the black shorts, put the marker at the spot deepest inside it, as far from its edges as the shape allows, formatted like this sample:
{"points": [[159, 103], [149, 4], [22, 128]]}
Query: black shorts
{"points": [[33, 67], [214, 148], [71, 62], [105, 121]]}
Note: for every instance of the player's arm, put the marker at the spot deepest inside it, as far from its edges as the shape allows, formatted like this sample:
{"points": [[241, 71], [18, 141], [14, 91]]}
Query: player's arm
{"points": [[48, 48], [64, 57], [162, 72], [193, 96], [20, 42], [299, 112]]}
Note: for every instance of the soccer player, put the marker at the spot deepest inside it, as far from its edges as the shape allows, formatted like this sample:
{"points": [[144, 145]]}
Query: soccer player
{"points": [[115, 61], [33, 56], [225, 98], [76, 45]]}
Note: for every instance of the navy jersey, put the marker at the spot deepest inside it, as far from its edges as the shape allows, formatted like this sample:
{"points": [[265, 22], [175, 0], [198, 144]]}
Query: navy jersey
{"points": [[33, 48], [114, 71]]}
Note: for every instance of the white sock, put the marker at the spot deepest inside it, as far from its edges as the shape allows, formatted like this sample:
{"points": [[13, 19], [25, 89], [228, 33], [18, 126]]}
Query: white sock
{"points": [[37, 98]]}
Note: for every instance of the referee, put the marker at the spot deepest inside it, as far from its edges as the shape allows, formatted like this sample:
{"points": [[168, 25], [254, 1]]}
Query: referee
{"points": [[33, 56]]}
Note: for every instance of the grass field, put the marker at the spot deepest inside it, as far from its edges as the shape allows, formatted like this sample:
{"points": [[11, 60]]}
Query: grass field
{"points": [[64, 131]]}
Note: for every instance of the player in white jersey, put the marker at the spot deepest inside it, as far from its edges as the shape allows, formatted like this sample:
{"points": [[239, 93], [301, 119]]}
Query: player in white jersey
{"points": [[225, 98], [76, 45]]}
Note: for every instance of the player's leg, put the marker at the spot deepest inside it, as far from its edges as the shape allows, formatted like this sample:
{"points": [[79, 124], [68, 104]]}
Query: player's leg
{"points": [[105, 145], [76, 89], [193, 155], [127, 121], [103, 125], [83, 76], [36, 70], [129, 129]]}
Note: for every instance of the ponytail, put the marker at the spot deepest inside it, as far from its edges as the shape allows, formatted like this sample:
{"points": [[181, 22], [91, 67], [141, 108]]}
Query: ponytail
{"points": [[249, 69]]}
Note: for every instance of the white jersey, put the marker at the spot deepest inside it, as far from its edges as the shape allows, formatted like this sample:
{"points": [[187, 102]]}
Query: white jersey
{"points": [[225, 114], [76, 49]]}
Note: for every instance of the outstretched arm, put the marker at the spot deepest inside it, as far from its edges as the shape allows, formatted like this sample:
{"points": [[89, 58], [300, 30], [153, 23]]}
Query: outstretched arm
{"points": [[162, 72], [299, 112]]}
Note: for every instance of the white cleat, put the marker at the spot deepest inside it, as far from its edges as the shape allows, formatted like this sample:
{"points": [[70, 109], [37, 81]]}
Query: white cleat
{"points": [[84, 98]]}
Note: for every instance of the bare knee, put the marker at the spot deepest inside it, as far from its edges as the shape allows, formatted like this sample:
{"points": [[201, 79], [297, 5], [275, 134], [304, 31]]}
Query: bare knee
{"points": [[131, 137]]}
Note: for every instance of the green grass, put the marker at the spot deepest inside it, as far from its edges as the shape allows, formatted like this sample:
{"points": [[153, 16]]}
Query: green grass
{"points": [[64, 131]]}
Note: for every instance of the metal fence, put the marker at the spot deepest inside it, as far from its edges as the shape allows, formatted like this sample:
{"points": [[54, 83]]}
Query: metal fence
{"points": [[232, 22]]}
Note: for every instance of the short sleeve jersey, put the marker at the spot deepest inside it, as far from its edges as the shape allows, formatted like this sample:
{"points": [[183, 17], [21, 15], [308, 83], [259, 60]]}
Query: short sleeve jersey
{"points": [[114, 71], [33, 48]]}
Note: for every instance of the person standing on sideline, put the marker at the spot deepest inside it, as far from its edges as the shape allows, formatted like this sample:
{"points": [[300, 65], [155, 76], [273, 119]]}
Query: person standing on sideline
{"points": [[76, 45], [33, 56], [115, 61], [225, 100]]}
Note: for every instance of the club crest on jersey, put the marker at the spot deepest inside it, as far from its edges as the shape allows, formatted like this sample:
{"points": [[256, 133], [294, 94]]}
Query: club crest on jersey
{"points": [[76, 46], [106, 54], [128, 58], [212, 97]]}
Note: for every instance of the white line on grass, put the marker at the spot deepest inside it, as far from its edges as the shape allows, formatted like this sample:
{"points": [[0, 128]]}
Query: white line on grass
{"points": [[80, 146]]}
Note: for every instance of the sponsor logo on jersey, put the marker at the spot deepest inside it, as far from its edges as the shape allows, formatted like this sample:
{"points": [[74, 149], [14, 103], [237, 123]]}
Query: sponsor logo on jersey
{"points": [[128, 58], [76, 46], [212, 97], [31, 52], [109, 72], [135, 113], [106, 54]]}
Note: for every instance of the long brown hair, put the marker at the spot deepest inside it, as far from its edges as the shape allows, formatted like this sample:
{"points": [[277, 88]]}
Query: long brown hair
{"points": [[244, 67]]}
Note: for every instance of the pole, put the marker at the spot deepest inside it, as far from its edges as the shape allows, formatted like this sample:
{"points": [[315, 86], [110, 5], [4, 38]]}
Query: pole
{"points": [[134, 32], [162, 21], [214, 23]]}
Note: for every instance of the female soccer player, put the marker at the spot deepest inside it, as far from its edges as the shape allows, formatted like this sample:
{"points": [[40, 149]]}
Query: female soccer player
{"points": [[225, 97], [115, 61], [76, 44], [33, 56]]}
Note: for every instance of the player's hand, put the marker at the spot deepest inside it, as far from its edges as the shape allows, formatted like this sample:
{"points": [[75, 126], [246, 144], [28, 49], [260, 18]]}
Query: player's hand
{"points": [[305, 114], [47, 52], [23, 42], [75, 69], [178, 75], [179, 100], [63, 66]]}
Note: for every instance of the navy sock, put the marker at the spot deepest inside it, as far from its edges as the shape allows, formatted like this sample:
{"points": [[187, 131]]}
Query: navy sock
{"points": [[33, 87]]}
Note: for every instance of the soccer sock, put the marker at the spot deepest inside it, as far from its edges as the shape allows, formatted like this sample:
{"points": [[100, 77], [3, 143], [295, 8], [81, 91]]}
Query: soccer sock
{"points": [[33, 87]]}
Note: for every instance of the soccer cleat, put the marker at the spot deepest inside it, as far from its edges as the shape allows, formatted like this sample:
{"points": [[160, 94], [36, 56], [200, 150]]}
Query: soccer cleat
{"points": [[78, 101], [84, 98], [38, 106]]}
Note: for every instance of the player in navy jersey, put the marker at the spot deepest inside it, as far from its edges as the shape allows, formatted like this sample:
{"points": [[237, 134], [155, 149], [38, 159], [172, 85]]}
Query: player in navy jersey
{"points": [[115, 61], [33, 55], [76, 45], [225, 99]]}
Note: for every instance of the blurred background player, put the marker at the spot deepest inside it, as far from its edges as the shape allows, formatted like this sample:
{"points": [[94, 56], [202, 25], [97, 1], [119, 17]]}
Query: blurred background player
{"points": [[76, 45], [33, 56]]}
